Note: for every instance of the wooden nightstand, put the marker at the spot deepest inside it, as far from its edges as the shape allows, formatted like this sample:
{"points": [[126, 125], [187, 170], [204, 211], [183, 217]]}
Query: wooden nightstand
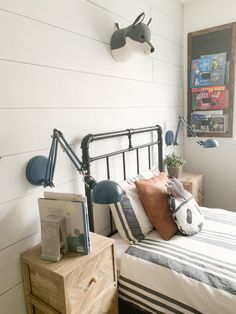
{"points": [[77, 284], [194, 183]]}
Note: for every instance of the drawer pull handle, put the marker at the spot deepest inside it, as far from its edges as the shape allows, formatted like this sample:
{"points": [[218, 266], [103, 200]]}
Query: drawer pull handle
{"points": [[93, 280]]}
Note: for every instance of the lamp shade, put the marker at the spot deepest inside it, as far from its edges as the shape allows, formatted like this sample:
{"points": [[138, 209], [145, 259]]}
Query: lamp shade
{"points": [[210, 143], [107, 192]]}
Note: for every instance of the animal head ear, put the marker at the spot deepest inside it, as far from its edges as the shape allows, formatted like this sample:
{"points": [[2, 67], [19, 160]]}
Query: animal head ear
{"points": [[149, 21], [139, 19]]}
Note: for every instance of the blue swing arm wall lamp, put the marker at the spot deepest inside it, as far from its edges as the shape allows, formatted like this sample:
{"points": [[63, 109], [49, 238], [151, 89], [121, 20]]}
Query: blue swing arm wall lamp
{"points": [[170, 138], [40, 171]]}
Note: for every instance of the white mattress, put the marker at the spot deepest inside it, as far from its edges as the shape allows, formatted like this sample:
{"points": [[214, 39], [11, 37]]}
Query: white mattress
{"points": [[120, 247]]}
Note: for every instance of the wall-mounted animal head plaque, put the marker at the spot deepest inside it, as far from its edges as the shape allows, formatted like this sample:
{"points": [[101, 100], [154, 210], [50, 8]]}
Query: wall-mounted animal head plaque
{"points": [[131, 39]]}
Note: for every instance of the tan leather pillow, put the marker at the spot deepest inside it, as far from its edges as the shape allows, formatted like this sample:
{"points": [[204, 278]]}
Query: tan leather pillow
{"points": [[154, 197]]}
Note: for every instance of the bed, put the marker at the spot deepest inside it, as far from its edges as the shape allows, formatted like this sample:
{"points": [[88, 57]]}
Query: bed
{"points": [[186, 274]]}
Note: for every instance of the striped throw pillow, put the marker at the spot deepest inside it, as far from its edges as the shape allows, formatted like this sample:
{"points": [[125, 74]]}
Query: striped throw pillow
{"points": [[129, 216]]}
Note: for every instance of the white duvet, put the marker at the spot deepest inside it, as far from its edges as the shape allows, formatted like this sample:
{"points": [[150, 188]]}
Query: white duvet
{"points": [[187, 274]]}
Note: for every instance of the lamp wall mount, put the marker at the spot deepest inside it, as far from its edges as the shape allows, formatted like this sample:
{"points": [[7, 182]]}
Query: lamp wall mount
{"points": [[36, 170], [169, 137]]}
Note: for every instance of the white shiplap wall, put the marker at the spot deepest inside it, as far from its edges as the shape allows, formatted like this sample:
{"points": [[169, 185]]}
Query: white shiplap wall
{"points": [[56, 70]]}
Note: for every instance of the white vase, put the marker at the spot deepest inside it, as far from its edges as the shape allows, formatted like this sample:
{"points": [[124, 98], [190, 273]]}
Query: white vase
{"points": [[174, 172]]}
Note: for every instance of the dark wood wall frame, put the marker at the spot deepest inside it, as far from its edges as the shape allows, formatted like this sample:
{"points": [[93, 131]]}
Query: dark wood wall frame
{"points": [[211, 41]]}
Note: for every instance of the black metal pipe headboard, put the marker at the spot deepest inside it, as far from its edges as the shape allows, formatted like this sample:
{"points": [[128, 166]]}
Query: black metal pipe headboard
{"points": [[87, 159]]}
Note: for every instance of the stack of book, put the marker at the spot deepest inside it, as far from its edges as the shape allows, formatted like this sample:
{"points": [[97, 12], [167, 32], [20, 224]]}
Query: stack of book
{"points": [[73, 207], [209, 92]]}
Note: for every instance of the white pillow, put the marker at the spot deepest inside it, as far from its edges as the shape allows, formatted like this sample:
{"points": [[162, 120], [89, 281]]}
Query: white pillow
{"points": [[129, 216], [145, 175]]}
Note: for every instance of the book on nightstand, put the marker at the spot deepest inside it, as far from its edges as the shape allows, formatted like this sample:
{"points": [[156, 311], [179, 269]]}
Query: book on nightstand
{"points": [[73, 207]]}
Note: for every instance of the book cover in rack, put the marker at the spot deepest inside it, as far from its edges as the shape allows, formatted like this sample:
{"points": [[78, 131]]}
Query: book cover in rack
{"points": [[209, 70], [200, 72], [218, 68], [209, 121], [210, 98], [73, 207]]}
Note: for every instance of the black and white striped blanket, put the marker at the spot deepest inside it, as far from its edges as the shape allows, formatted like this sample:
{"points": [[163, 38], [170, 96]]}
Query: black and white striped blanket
{"points": [[194, 274]]}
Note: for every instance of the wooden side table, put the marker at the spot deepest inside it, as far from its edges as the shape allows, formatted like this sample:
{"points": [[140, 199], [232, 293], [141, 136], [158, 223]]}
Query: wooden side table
{"points": [[84, 284], [195, 184]]}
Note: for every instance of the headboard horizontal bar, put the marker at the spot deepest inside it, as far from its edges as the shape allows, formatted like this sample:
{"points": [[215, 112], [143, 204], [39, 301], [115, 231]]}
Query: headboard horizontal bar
{"points": [[100, 136], [122, 151]]}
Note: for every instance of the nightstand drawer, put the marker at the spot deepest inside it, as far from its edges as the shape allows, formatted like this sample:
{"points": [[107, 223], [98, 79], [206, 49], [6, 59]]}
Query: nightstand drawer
{"points": [[106, 303], [47, 287], [77, 284], [88, 282]]}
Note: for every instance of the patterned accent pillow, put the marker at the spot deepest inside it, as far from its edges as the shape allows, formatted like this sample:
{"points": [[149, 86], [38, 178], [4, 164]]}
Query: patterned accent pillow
{"points": [[184, 209], [129, 215]]}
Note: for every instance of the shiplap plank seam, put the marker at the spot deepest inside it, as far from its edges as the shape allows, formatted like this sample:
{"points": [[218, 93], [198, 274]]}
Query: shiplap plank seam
{"points": [[80, 34], [73, 70], [11, 288], [150, 4], [90, 73], [31, 194], [54, 26]]}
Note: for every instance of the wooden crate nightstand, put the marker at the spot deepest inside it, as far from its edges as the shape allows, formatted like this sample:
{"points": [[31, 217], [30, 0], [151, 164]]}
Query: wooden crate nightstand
{"points": [[77, 284], [194, 183]]}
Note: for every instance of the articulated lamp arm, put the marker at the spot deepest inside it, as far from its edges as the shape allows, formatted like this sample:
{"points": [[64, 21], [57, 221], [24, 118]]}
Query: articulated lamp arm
{"points": [[58, 137], [188, 127], [209, 143], [40, 171]]}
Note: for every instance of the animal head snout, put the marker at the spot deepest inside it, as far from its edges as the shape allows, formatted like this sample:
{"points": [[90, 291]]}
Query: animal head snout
{"points": [[150, 49]]}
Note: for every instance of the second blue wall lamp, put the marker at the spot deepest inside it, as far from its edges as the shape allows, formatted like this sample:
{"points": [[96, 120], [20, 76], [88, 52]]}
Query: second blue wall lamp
{"points": [[172, 139]]}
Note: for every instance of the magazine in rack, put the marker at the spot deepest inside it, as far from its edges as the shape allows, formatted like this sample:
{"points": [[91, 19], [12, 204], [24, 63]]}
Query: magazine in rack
{"points": [[209, 97], [209, 70], [209, 121]]}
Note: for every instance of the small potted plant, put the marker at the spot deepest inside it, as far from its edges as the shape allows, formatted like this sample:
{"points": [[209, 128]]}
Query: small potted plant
{"points": [[174, 164]]}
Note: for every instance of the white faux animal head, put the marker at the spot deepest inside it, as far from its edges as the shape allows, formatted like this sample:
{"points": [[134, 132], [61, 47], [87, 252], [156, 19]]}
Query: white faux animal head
{"points": [[134, 38]]}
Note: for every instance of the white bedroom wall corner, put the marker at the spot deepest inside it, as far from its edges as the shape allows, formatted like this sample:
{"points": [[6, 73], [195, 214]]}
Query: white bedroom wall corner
{"points": [[216, 164]]}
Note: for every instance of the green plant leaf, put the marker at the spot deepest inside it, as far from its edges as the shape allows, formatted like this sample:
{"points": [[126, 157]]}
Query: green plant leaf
{"points": [[174, 160]]}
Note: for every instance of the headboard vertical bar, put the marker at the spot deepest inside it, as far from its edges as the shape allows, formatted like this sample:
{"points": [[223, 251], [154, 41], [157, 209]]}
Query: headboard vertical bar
{"points": [[124, 168], [108, 177], [149, 157], [108, 168], [86, 161], [137, 157], [160, 145]]}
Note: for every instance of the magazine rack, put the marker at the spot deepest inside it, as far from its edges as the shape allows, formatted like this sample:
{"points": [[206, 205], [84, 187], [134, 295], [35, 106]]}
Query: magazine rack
{"points": [[211, 66]]}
